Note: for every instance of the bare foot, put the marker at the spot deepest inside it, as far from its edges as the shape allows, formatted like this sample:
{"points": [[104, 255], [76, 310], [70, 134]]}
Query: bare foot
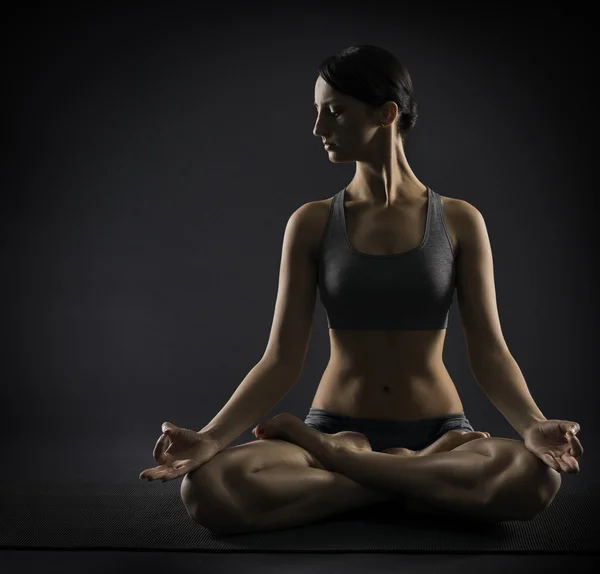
{"points": [[288, 427], [445, 443], [352, 440]]}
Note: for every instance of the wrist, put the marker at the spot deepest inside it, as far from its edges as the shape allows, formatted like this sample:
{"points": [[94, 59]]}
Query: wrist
{"points": [[210, 436], [533, 422]]}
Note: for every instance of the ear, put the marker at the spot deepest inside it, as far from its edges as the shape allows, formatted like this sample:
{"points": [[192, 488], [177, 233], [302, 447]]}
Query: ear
{"points": [[389, 113]]}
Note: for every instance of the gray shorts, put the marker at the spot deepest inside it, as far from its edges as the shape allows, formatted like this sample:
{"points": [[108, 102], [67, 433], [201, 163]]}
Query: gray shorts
{"points": [[389, 433]]}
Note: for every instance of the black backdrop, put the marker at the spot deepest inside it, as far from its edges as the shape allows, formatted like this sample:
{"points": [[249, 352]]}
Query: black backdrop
{"points": [[153, 156]]}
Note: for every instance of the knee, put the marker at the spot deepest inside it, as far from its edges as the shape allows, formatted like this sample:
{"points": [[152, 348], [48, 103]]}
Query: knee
{"points": [[548, 485], [211, 502], [520, 485], [543, 485]]}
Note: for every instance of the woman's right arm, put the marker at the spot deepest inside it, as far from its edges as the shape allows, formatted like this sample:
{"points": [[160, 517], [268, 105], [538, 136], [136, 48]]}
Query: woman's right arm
{"points": [[264, 386], [282, 363]]}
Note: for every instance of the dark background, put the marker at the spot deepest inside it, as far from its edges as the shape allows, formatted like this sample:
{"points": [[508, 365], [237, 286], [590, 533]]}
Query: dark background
{"points": [[154, 154]]}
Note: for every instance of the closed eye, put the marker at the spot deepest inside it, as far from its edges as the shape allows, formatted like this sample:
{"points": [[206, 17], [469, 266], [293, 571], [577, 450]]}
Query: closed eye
{"points": [[334, 113]]}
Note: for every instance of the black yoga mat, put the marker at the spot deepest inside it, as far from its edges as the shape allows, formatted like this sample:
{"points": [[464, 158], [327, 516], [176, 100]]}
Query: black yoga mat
{"points": [[151, 516]]}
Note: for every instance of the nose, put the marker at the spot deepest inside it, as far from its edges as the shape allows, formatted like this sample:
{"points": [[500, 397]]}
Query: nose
{"points": [[320, 130], [325, 136]]}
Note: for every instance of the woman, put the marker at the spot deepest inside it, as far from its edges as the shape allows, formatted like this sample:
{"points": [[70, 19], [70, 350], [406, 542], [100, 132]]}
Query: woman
{"points": [[386, 422]]}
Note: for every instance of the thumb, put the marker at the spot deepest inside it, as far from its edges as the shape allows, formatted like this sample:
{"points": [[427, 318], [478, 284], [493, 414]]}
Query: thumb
{"points": [[569, 426], [167, 428]]}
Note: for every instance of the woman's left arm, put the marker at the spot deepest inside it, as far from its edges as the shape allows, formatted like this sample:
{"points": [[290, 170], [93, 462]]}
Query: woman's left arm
{"points": [[490, 360]]}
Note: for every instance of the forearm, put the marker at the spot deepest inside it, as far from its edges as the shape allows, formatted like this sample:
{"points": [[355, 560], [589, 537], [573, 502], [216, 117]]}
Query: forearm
{"points": [[503, 383], [262, 388]]}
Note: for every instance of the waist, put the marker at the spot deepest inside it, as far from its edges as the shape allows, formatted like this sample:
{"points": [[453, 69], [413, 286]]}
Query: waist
{"points": [[395, 395]]}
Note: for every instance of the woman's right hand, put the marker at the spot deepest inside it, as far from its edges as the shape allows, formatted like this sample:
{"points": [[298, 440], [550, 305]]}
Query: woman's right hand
{"points": [[188, 450]]}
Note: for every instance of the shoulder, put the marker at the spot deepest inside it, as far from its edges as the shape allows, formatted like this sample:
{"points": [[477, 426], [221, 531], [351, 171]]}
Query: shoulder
{"points": [[467, 221], [463, 218], [309, 221], [459, 208]]}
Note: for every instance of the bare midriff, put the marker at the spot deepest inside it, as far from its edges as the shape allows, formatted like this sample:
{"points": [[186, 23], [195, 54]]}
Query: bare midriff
{"points": [[387, 375]]}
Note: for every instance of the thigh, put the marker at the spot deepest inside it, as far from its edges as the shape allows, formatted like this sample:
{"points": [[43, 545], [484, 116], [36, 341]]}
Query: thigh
{"points": [[235, 463], [511, 458], [214, 491], [510, 464], [240, 460], [501, 450]]}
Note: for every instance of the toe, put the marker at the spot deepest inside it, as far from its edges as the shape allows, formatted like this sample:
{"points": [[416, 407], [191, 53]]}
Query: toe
{"points": [[261, 429], [269, 428]]}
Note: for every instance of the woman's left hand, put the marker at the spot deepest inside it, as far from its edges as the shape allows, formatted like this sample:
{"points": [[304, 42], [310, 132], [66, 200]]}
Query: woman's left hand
{"points": [[554, 442]]}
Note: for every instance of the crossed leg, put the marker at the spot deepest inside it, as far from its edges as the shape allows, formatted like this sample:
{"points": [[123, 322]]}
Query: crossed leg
{"points": [[285, 485], [490, 480], [283, 496]]}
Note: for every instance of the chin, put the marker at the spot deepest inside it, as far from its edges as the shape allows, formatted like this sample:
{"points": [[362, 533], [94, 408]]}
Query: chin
{"points": [[336, 157]]}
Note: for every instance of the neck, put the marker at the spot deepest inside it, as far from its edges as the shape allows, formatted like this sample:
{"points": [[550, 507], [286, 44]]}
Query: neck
{"points": [[386, 182]]}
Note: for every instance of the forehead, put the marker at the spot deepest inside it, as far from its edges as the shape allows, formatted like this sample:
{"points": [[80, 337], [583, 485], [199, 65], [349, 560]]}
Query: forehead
{"points": [[324, 93]]}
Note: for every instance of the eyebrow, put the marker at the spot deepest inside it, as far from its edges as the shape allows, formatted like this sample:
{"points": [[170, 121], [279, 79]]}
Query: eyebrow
{"points": [[326, 102]]}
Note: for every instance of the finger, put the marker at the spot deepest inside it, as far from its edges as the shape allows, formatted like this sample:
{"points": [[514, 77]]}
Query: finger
{"points": [[173, 476], [569, 427], [169, 474], [158, 473], [179, 469], [564, 467], [576, 448], [159, 449], [150, 473], [571, 462], [550, 461], [161, 473]]}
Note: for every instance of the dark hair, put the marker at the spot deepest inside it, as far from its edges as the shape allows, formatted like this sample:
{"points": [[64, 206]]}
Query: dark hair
{"points": [[374, 76]]}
